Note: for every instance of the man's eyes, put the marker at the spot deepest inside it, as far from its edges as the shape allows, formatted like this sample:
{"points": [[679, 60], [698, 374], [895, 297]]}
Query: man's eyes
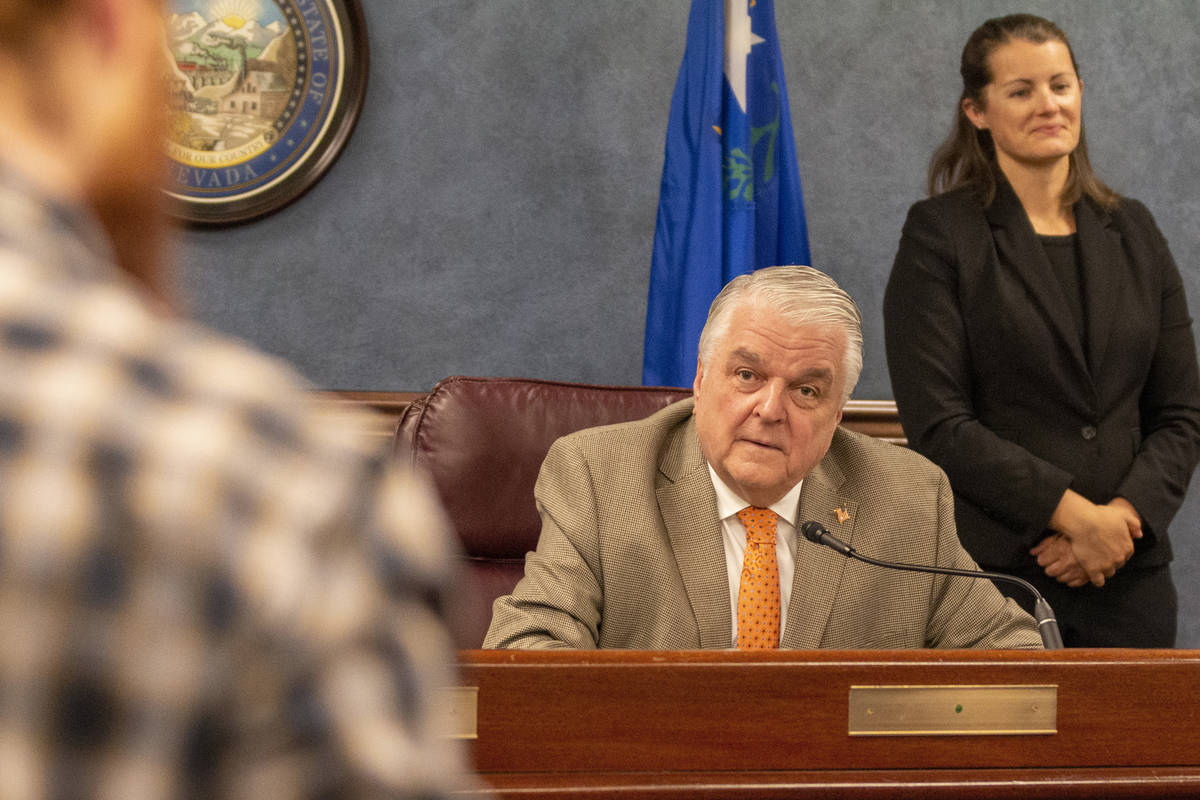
{"points": [[807, 392]]}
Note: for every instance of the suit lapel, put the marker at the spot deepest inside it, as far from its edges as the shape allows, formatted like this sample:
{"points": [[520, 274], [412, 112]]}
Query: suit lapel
{"points": [[1020, 251], [1104, 272], [688, 506], [819, 570]]}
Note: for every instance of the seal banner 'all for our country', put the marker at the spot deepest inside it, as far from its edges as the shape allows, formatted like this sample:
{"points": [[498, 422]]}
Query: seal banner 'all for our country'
{"points": [[263, 96]]}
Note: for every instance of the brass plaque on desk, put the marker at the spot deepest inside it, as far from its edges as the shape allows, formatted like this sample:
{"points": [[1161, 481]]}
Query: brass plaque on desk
{"points": [[953, 710], [456, 712]]}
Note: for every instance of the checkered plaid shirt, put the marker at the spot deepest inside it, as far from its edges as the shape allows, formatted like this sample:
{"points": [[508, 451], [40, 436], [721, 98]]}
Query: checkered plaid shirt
{"points": [[209, 586]]}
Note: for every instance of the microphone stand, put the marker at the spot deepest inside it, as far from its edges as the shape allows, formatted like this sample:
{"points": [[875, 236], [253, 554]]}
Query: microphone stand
{"points": [[1047, 624]]}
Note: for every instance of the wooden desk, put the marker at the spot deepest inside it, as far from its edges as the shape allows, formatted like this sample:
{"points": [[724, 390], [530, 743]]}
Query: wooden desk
{"points": [[668, 725]]}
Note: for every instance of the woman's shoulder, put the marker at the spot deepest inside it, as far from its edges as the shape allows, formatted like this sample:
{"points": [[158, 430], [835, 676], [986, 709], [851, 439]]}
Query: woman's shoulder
{"points": [[946, 217], [1131, 210], [956, 205], [968, 195], [1130, 217]]}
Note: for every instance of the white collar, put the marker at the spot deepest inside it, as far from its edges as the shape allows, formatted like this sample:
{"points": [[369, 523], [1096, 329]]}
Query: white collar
{"points": [[729, 503]]}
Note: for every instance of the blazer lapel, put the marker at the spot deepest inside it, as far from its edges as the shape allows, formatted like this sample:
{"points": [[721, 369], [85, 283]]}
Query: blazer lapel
{"points": [[1020, 251], [1105, 270], [819, 570], [688, 506]]}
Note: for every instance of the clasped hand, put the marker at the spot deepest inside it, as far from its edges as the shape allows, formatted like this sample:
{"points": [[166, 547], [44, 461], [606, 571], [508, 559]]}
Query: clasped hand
{"points": [[1092, 541]]}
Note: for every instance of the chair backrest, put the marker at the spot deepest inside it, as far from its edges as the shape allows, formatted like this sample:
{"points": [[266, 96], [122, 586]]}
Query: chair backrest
{"points": [[482, 442]]}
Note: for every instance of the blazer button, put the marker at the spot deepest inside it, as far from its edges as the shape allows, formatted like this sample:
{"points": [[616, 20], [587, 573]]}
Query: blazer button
{"points": [[1087, 432]]}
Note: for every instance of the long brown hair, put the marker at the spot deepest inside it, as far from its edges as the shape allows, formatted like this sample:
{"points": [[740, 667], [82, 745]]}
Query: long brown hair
{"points": [[968, 156]]}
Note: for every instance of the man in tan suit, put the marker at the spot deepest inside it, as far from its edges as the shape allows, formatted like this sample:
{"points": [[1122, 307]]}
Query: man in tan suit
{"points": [[642, 543]]}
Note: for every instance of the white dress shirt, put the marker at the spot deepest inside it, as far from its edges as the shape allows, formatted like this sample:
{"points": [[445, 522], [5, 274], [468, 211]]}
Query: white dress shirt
{"points": [[734, 538]]}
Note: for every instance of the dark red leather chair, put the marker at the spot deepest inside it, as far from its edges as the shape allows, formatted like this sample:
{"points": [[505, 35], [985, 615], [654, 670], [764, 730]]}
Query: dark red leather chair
{"points": [[482, 441]]}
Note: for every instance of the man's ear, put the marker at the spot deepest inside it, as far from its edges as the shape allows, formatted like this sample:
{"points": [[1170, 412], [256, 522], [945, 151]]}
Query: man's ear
{"points": [[699, 376]]}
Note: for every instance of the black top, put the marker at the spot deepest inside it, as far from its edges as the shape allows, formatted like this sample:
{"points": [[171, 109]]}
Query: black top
{"points": [[1063, 252]]}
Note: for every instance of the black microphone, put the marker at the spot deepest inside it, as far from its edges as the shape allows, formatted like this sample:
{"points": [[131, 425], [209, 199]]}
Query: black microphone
{"points": [[1047, 624]]}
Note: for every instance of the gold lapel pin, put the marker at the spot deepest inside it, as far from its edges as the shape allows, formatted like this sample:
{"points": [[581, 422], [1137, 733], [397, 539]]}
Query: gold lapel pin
{"points": [[843, 514]]}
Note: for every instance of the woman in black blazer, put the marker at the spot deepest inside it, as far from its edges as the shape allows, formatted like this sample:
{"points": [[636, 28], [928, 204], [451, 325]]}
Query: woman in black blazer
{"points": [[1040, 348]]}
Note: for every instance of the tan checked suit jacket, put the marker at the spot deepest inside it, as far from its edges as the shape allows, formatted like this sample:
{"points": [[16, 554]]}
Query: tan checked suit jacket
{"points": [[630, 554]]}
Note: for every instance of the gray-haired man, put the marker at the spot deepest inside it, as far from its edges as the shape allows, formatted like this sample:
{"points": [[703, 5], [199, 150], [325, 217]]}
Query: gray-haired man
{"points": [[646, 526]]}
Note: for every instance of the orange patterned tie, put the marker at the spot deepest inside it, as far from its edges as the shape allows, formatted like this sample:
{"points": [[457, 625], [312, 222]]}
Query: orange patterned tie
{"points": [[758, 595]]}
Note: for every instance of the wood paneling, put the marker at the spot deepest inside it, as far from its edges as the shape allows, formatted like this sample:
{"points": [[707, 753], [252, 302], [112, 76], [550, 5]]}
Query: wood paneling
{"points": [[671, 724]]}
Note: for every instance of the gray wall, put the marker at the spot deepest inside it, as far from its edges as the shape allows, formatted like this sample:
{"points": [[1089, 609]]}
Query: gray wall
{"points": [[493, 213]]}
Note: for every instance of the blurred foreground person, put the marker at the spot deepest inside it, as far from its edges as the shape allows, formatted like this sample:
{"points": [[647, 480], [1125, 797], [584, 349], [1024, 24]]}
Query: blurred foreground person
{"points": [[208, 586]]}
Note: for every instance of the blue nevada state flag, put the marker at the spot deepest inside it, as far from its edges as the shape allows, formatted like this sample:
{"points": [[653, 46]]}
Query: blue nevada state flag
{"points": [[730, 199]]}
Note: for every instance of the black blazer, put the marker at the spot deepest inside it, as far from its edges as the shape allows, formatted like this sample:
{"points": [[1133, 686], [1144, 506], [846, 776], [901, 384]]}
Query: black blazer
{"points": [[994, 385]]}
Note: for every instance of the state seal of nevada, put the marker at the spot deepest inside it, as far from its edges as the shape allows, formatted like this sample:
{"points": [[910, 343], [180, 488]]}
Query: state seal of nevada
{"points": [[263, 94]]}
